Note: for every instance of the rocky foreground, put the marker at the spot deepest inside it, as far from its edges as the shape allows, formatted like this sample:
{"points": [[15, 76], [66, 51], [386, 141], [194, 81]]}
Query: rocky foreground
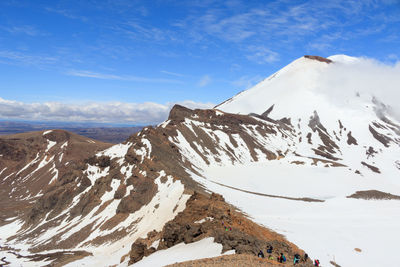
{"points": [[236, 261], [210, 216]]}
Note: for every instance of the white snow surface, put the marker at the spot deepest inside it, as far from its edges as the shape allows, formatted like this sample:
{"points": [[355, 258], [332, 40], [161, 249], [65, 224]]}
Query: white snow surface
{"points": [[205, 248], [329, 230], [50, 144], [64, 145], [116, 151]]}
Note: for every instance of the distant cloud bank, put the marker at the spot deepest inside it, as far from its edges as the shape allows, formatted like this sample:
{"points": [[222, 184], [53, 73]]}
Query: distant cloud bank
{"points": [[112, 112]]}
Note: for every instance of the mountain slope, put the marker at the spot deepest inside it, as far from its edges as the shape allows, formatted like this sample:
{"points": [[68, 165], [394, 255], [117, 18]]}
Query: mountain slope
{"points": [[319, 169], [32, 163], [111, 199]]}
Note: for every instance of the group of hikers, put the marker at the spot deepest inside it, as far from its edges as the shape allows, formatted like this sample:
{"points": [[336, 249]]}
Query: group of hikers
{"points": [[282, 258], [226, 228]]}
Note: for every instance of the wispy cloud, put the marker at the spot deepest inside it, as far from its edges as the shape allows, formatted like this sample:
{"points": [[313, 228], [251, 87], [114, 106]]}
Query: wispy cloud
{"points": [[14, 57], [66, 13], [138, 30], [25, 29], [205, 80], [172, 73], [277, 24], [116, 112], [105, 76]]}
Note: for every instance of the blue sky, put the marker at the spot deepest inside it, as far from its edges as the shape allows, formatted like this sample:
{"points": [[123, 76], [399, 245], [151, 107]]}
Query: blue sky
{"points": [[129, 61]]}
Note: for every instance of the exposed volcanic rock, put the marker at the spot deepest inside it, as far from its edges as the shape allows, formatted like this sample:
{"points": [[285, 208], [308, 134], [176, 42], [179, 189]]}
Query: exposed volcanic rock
{"points": [[264, 115], [210, 216], [167, 156], [370, 152], [328, 148], [397, 164], [373, 194], [321, 59], [306, 199], [10, 151], [142, 195], [380, 137], [102, 161], [351, 140], [178, 113], [372, 168]]}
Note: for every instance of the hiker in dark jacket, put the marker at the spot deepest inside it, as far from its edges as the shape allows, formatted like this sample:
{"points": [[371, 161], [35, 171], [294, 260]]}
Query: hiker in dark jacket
{"points": [[305, 257], [282, 258], [260, 254], [269, 249], [296, 259]]}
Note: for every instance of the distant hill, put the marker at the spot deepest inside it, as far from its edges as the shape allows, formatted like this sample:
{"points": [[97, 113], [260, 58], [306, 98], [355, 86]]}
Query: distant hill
{"points": [[109, 134]]}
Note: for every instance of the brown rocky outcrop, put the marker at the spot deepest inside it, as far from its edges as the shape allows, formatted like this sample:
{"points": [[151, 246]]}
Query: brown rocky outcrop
{"points": [[373, 194], [210, 216], [319, 58]]}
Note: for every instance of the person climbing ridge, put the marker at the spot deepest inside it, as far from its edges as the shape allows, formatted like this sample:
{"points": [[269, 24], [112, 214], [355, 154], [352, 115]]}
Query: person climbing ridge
{"points": [[305, 257], [296, 259], [260, 254], [316, 262], [269, 249], [282, 258], [271, 257]]}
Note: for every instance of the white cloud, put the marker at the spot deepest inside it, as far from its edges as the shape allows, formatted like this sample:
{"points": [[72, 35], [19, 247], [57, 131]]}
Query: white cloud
{"points": [[26, 59], [172, 73], [105, 76], [367, 77], [205, 80], [115, 112]]}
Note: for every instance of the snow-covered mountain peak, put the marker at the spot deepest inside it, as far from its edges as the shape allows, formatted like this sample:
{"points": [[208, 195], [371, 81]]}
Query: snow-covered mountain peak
{"points": [[342, 89], [296, 91]]}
